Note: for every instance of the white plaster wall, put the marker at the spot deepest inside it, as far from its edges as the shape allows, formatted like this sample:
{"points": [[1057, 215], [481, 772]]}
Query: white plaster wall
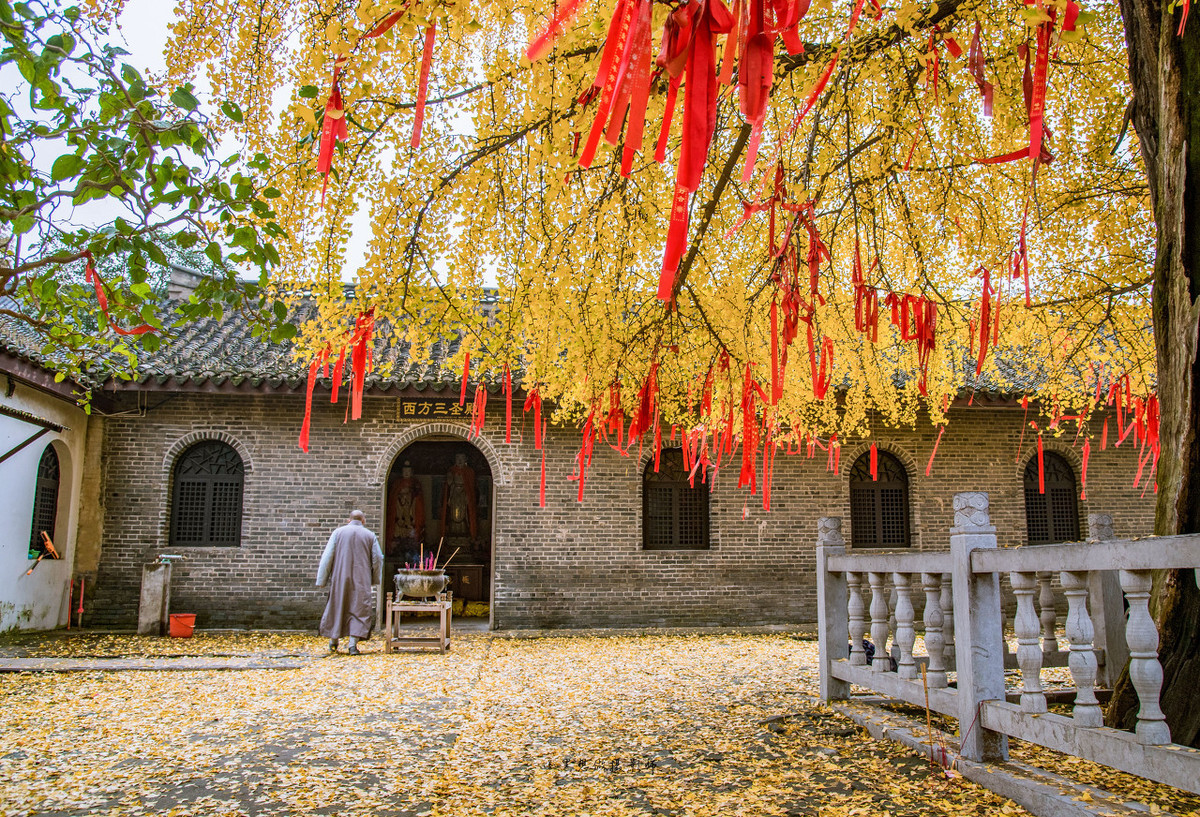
{"points": [[37, 601]]}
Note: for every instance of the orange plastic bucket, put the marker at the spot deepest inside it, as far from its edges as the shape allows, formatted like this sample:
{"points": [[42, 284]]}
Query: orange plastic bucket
{"points": [[182, 625]]}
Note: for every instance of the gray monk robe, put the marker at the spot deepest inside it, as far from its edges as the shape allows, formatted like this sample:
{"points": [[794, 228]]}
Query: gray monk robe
{"points": [[352, 562]]}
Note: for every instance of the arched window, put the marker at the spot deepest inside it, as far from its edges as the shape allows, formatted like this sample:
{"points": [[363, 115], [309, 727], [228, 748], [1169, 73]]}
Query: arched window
{"points": [[878, 507], [45, 501], [1051, 516], [674, 513], [206, 507]]}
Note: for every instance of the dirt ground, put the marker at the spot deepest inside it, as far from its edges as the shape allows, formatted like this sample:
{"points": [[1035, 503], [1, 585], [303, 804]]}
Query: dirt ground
{"points": [[654, 725]]}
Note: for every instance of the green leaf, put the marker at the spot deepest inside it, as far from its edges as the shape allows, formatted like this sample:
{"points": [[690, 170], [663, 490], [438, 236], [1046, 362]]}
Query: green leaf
{"points": [[231, 110], [308, 92], [271, 193], [182, 98], [280, 310], [283, 332], [66, 166]]}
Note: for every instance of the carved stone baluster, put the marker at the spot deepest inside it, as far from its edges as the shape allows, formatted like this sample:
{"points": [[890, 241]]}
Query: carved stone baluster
{"points": [[906, 634], [948, 651], [1047, 613], [858, 625], [1144, 670], [1082, 659], [934, 641], [1029, 648], [879, 622]]}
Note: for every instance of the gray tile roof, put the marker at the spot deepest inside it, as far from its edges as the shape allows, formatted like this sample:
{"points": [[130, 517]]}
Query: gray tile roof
{"points": [[223, 355]]}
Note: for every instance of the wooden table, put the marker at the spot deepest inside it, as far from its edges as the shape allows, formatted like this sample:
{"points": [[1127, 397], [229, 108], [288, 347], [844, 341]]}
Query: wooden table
{"points": [[397, 607]]}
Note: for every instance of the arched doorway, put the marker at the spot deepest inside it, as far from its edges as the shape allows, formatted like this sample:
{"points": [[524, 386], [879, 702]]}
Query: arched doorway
{"points": [[439, 501]]}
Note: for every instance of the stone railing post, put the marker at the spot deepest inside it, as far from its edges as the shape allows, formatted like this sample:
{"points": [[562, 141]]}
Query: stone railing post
{"points": [[948, 619], [1145, 671], [1107, 607], [979, 629], [1047, 614], [832, 604], [856, 612], [879, 623], [1082, 660], [1029, 650], [906, 633], [935, 642]]}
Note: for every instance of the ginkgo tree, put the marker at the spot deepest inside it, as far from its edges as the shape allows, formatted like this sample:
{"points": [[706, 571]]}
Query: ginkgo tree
{"points": [[753, 220]]}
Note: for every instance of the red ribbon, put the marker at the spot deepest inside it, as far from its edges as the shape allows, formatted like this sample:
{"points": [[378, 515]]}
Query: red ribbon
{"points": [[676, 241], [932, 454], [540, 46], [92, 277], [700, 93], [360, 343], [533, 400], [508, 391], [647, 399], [660, 151], [338, 368], [478, 410], [747, 475], [984, 326], [385, 25], [466, 373], [612, 63], [821, 377], [1042, 467], [312, 381], [639, 79], [975, 64], [542, 486], [333, 126], [874, 463], [1038, 100], [776, 374], [423, 87], [1087, 450]]}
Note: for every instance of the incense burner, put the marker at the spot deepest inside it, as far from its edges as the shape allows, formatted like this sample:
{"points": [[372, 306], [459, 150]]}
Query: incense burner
{"points": [[420, 584]]}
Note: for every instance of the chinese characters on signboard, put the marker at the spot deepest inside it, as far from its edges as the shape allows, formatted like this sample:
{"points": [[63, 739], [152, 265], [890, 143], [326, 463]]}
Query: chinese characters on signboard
{"points": [[424, 409]]}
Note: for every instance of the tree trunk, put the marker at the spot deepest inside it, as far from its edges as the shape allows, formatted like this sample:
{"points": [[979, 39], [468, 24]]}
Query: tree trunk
{"points": [[1164, 69]]}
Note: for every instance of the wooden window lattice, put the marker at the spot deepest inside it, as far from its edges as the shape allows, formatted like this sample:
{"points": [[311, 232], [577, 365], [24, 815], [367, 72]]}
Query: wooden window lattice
{"points": [[879, 508], [674, 513], [45, 501], [1053, 516], [206, 508]]}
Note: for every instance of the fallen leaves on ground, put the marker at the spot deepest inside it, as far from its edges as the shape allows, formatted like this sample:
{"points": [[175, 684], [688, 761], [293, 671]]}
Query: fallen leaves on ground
{"points": [[655, 725]]}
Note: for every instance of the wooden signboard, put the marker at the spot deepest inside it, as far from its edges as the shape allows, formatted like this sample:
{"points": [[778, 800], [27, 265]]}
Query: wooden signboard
{"points": [[418, 408]]}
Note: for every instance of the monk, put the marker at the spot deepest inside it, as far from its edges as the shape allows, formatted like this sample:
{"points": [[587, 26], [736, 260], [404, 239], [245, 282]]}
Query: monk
{"points": [[352, 562]]}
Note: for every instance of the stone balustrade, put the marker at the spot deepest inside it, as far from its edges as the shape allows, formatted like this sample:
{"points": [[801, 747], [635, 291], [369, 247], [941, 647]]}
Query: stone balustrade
{"points": [[957, 666]]}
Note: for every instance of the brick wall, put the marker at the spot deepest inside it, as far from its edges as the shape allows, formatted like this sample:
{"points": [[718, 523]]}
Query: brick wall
{"points": [[569, 564]]}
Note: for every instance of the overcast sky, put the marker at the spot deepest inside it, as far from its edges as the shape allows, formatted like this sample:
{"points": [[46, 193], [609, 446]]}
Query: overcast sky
{"points": [[144, 27], [144, 31]]}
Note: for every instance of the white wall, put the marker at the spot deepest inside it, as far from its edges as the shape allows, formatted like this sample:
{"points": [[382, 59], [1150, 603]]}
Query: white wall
{"points": [[37, 601]]}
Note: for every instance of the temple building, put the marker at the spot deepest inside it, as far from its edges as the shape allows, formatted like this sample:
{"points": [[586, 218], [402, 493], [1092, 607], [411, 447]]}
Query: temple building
{"points": [[198, 457]]}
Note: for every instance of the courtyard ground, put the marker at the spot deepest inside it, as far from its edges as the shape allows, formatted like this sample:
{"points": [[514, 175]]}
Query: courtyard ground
{"points": [[649, 725]]}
